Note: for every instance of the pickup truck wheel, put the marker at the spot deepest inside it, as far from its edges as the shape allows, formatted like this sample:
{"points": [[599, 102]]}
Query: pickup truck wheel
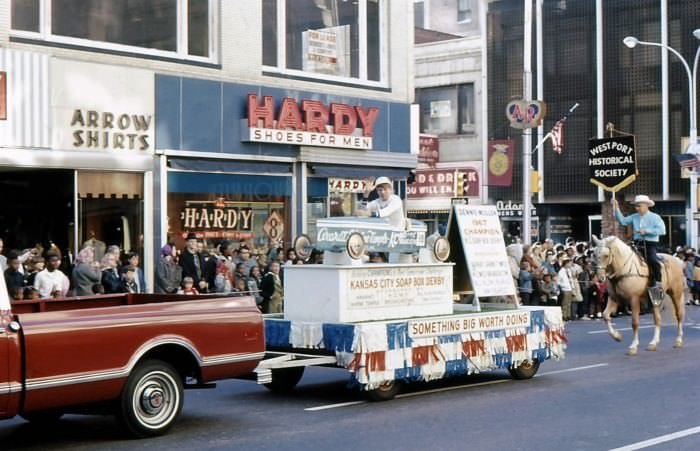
{"points": [[285, 379], [385, 392], [43, 417], [526, 370], [151, 399]]}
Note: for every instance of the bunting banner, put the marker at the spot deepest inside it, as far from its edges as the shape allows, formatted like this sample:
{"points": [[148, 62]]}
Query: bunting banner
{"points": [[424, 349], [500, 162]]}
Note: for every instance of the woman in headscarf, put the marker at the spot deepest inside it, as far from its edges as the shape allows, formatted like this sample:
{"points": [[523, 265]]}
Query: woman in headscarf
{"points": [[168, 272], [86, 273]]}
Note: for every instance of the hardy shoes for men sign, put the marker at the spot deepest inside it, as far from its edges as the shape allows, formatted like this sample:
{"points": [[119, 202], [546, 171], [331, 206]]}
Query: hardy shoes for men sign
{"points": [[309, 123], [612, 162], [216, 219]]}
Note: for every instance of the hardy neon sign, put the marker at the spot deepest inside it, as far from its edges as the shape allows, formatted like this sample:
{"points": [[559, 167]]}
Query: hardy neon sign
{"points": [[311, 123]]}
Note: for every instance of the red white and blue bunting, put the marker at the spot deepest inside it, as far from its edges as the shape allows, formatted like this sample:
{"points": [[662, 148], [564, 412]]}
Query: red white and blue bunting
{"points": [[376, 352]]}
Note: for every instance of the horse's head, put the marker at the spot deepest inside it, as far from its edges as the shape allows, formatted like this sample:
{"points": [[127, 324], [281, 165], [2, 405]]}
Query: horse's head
{"points": [[602, 255]]}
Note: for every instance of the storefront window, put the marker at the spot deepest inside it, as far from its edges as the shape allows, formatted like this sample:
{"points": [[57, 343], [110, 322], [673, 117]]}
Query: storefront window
{"points": [[326, 37], [110, 211], [217, 207], [332, 197], [147, 24], [447, 110]]}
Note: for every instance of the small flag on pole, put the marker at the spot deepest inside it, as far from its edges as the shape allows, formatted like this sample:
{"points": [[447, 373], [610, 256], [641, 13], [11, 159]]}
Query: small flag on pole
{"points": [[557, 132], [688, 160], [558, 135]]}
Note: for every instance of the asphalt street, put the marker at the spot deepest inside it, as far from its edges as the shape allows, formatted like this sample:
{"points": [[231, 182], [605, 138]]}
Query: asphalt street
{"points": [[597, 398]]}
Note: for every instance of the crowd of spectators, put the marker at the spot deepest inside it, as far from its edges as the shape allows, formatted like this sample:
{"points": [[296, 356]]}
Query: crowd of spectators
{"points": [[199, 267], [544, 274], [565, 275]]}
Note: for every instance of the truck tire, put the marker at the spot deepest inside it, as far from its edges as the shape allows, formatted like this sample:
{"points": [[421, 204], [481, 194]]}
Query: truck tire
{"points": [[385, 392], [285, 379], [151, 399], [526, 370], [43, 417]]}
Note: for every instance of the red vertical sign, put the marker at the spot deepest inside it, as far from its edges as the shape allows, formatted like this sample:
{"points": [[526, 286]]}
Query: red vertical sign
{"points": [[500, 163]]}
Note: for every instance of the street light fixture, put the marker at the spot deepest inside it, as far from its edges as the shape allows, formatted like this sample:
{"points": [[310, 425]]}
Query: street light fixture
{"points": [[632, 42]]}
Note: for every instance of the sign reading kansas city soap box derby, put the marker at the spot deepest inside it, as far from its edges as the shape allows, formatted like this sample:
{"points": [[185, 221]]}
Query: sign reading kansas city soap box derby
{"points": [[612, 162], [373, 292]]}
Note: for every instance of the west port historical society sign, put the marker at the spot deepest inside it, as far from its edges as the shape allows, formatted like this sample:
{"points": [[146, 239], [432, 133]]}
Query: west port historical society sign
{"points": [[612, 162]]}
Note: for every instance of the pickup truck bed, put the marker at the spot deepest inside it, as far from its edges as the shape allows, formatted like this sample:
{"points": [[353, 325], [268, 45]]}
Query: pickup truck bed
{"points": [[133, 354]]}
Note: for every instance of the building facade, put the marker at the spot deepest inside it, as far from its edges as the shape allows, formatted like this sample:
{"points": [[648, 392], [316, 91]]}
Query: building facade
{"points": [[449, 82], [583, 60], [232, 120]]}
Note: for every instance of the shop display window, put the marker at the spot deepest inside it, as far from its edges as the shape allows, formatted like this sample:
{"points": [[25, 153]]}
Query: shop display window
{"points": [[447, 110], [327, 38], [110, 211], [255, 210], [148, 26]]}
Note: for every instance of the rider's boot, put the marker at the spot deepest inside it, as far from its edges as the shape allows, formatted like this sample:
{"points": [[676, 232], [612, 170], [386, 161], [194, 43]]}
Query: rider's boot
{"points": [[656, 293]]}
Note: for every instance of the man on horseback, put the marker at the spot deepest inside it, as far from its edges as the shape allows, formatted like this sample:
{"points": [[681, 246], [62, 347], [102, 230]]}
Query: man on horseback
{"points": [[647, 227]]}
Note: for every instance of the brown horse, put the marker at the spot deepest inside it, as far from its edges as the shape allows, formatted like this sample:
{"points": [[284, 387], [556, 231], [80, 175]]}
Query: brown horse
{"points": [[628, 280]]}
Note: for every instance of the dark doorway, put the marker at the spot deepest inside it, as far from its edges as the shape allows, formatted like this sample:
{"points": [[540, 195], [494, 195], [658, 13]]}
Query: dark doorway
{"points": [[37, 207]]}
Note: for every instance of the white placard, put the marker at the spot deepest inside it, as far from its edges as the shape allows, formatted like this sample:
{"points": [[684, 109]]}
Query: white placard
{"points": [[468, 324], [485, 250], [369, 288]]}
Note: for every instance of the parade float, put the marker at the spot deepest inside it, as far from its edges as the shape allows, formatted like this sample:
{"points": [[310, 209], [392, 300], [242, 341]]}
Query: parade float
{"points": [[441, 306]]}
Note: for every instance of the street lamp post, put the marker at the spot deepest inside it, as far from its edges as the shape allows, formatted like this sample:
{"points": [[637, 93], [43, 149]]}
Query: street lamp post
{"points": [[631, 42]]}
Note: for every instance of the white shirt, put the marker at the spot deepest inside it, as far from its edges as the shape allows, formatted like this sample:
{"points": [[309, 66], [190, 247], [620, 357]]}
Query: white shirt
{"points": [[47, 282], [391, 209], [563, 280]]}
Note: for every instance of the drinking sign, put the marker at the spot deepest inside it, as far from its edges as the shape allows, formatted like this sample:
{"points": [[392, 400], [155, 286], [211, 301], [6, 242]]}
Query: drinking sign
{"points": [[612, 162]]}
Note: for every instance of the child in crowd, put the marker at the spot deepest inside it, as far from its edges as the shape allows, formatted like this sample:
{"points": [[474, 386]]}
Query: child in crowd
{"points": [[31, 293], [525, 282], [17, 293], [241, 285], [187, 286], [130, 284], [549, 290], [98, 288]]}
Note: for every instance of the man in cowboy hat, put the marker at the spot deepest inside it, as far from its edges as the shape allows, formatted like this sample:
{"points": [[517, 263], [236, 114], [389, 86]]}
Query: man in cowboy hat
{"points": [[647, 227], [388, 205]]}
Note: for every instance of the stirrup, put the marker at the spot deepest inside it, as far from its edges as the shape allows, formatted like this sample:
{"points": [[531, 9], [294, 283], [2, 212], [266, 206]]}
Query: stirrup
{"points": [[656, 295]]}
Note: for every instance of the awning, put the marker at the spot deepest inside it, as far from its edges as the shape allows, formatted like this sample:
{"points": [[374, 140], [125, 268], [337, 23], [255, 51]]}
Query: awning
{"points": [[228, 166]]}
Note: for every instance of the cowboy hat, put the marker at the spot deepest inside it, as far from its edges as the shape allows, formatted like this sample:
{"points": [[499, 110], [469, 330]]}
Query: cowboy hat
{"points": [[643, 199], [382, 181]]}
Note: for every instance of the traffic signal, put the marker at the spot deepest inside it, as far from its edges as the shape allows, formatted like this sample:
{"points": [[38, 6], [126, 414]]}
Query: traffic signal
{"points": [[535, 182], [459, 183]]}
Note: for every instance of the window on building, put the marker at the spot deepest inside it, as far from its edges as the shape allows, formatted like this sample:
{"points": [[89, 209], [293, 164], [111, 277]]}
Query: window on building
{"points": [[419, 13], [330, 38], [146, 26], [464, 10], [447, 110]]}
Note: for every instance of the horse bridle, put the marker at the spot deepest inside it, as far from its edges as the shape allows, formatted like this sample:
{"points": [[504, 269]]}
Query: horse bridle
{"points": [[613, 276]]}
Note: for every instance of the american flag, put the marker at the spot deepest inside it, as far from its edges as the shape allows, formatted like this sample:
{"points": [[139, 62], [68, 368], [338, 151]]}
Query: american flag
{"points": [[557, 135], [688, 160]]}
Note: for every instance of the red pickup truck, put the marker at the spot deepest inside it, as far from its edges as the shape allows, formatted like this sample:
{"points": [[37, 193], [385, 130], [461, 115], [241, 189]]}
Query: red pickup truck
{"points": [[131, 355]]}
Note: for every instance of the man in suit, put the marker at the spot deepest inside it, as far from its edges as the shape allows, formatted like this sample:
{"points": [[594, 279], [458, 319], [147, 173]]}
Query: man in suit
{"points": [[194, 265]]}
